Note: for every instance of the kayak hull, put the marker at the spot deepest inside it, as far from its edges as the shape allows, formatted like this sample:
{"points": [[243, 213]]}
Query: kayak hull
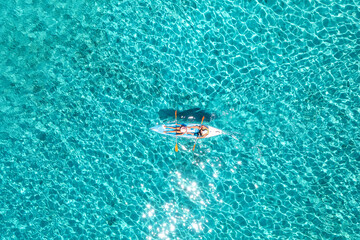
{"points": [[163, 129]]}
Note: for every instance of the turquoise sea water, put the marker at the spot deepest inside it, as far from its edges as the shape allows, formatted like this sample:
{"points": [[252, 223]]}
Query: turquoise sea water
{"points": [[81, 83]]}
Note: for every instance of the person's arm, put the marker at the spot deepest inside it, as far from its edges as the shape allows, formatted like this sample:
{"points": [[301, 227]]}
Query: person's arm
{"points": [[203, 136]]}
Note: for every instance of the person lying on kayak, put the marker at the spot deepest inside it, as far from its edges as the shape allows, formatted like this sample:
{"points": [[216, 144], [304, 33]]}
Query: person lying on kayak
{"points": [[182, 129], [178, 130]]}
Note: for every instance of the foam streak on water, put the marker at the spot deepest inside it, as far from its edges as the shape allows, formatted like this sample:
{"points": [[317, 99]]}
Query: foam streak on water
{"points": [[82, 82]]}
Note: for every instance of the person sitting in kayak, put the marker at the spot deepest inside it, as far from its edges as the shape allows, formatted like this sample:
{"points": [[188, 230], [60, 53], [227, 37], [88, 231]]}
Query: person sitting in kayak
{"points": [[203, 132]]}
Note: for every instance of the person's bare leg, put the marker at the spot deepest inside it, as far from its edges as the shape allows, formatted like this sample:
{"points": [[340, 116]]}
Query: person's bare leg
{"points": [[171, 131], [171, 127]]}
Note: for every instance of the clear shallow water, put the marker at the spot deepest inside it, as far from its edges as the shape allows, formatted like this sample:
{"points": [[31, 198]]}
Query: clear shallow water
{"points": [[82, 82]]}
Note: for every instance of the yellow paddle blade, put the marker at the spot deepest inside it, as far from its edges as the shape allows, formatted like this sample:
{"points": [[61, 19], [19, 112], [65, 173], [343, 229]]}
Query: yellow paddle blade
{"points": [[176, 148]]}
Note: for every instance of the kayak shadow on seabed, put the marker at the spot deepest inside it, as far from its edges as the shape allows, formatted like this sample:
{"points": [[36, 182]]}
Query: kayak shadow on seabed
{"points": [[191, 115]]}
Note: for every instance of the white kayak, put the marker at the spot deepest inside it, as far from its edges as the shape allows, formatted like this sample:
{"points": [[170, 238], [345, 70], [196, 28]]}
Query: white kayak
{"points": [[192, 132]]}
